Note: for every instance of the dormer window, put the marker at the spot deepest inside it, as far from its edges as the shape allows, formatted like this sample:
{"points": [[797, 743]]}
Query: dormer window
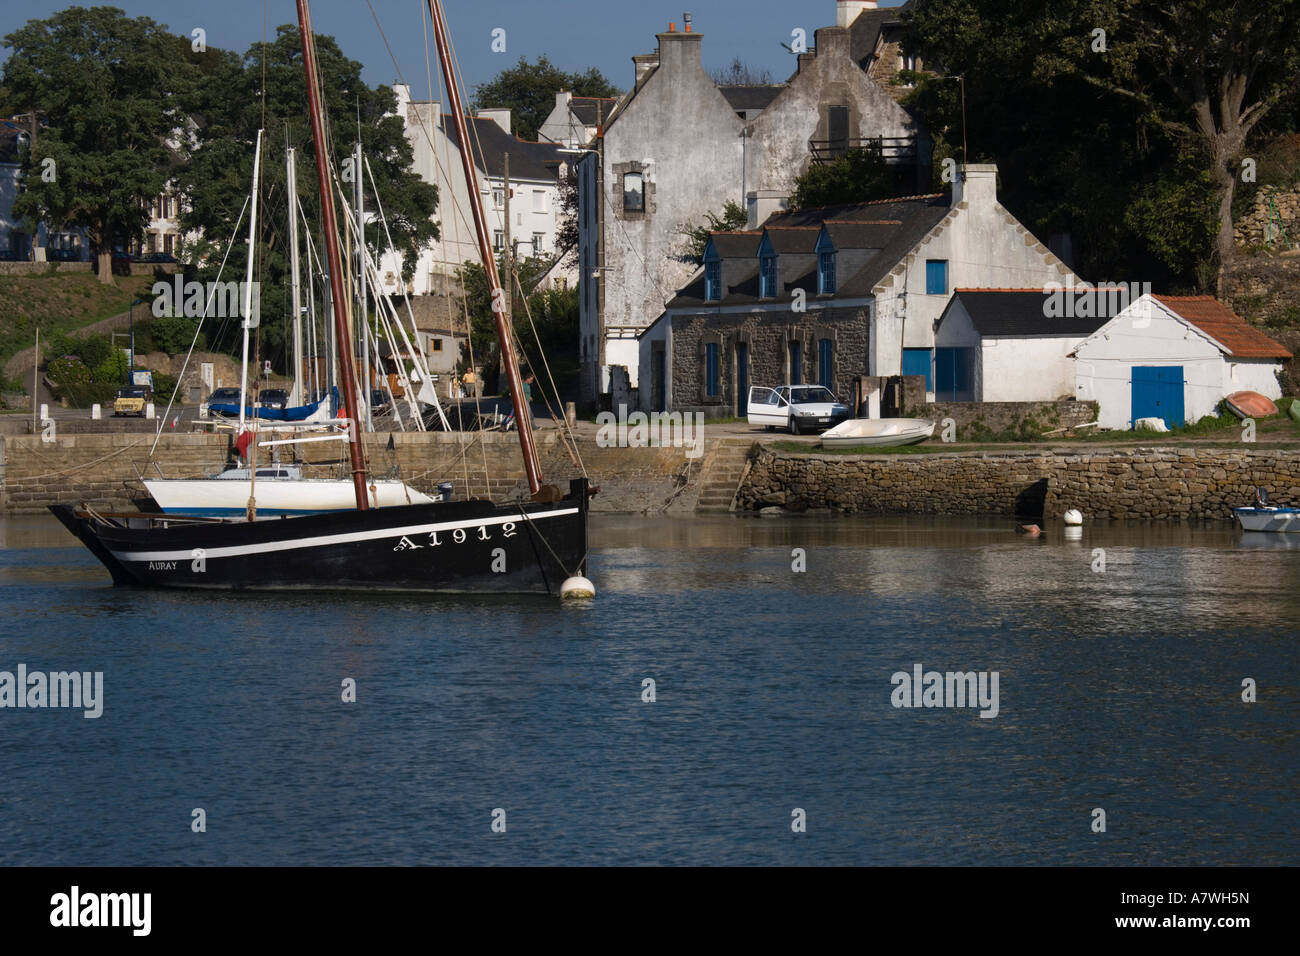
{"points": [[825, 264], [712, 274], [766, 269]]}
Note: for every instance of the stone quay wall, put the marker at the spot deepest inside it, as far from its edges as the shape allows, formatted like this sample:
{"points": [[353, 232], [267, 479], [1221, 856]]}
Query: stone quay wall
{"points": [[1142, 483], [104, 469]]}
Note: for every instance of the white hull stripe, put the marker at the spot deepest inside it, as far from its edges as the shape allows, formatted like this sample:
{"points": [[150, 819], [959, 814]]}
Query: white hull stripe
{"points": [[329, 539]]}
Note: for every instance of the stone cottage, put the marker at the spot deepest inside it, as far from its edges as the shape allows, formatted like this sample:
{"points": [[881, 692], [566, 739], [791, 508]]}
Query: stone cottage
{"points": [[826, 295]]}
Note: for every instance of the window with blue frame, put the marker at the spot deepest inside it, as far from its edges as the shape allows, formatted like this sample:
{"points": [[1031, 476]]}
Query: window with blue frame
{"points": [[796, 364], [936, 276], [712, 275], [767, 269], [825, 363], [825, 264], [711, 369], [917, 362]]}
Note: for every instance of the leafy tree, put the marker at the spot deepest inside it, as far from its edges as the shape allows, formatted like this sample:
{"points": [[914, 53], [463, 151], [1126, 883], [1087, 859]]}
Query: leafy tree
{"points": [[103, 86], [733, 216], [528, 90], [860, 175], [740, 73], [231, 106]]}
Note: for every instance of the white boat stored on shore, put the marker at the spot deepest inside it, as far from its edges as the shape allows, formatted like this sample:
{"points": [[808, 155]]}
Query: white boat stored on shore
{"points": [[878, 431], [1268, 519]]}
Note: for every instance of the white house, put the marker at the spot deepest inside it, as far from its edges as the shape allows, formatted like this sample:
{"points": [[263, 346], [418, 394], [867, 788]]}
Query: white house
{"points": [[1173, 357], [574, 121], [1006, 345], [535, 173]]}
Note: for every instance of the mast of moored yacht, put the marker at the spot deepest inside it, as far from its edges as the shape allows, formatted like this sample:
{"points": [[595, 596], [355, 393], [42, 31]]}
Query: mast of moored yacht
{"points": [[346, 372], [296, 393], [248, 282], [523, 417]]}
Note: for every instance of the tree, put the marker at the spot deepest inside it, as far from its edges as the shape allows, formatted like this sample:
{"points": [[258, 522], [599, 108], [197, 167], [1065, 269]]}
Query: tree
{"points": [[1107, 93], [740, 73], [528, 90], [733, 216], [860, 175], [229, 109], [102, 85]]}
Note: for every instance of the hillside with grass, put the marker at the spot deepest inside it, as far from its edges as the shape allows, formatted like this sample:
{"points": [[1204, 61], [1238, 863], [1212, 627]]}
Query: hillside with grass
{"points": [[58, 303]]}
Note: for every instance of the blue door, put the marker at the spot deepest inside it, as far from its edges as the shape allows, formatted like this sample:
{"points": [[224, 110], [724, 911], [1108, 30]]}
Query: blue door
{"points": [[1158, 393], [917, 362]]}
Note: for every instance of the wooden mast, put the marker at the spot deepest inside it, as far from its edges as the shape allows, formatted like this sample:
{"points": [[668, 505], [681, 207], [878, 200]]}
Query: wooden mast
{"points": [[347, 374], [523, 416]]}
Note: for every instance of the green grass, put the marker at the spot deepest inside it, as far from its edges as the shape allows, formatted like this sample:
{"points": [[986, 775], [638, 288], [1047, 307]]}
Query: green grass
{"points": [[59, 302]]}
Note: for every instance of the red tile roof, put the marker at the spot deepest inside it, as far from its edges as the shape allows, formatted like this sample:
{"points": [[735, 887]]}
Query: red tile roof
{"points": [[1224, 326]]}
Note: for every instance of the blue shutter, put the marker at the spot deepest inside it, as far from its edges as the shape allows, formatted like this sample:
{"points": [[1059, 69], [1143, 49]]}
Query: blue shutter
{"points": [[936, 276], [917, 362], [711, 369], [825, 353], [796, 364]]}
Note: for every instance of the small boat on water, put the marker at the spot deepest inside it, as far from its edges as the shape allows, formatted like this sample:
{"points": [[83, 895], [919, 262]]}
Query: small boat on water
{"points": [[878, 432], [1268, 519], [1250, 405]]}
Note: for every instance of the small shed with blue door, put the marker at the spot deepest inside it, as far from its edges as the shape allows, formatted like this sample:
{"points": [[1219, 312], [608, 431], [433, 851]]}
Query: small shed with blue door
{"points": [[1173, 358], [1004, 345]]}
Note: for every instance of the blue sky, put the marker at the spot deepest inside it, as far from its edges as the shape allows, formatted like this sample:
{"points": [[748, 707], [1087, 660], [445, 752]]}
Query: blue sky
{"points": [[574, 34]]}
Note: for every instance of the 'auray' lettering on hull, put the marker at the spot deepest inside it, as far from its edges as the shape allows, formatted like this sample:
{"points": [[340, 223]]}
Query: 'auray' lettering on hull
{"points": [[162, 565]]}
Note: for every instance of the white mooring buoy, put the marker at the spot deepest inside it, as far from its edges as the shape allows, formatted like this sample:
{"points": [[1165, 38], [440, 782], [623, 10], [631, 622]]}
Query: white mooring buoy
{"points": [[1074, 516], [577, 587]]}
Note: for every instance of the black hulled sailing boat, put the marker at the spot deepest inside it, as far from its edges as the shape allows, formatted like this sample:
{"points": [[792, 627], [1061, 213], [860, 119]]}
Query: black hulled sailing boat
{"points": [[458, 547]]}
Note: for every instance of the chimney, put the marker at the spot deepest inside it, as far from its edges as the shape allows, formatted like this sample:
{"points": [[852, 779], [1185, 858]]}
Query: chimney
{"points": [[499, 116], [645, 65], [831, 41], [848, 10], [761, 203], [977, 185], [679, 52]]}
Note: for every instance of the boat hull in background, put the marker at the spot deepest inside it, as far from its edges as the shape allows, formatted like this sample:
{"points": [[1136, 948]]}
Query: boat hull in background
{"points": [[1250, 405], [1268, 519], [452, 547], [228, 497], [878, 432]]}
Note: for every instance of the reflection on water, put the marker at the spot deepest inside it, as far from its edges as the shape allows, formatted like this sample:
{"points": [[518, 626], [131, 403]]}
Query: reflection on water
{"points": [[1120, 687]]}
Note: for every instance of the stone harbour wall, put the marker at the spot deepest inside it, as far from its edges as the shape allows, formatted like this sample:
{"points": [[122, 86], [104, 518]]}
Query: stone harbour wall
{"points": [[1145, 483]]}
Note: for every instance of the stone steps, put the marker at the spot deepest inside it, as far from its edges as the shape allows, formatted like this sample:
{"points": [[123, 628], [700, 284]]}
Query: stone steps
{"points": [[722, 474]]}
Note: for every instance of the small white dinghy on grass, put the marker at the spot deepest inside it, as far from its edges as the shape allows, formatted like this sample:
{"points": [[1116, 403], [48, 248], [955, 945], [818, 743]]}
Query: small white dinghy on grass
{"points": [[878, 432]]}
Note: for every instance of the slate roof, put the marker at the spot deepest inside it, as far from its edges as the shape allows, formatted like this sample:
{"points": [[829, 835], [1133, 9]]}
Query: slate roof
{"points": [[871, 239], [535, 161], [864, 32], [1009, 313], [584, 108], [744, 98], [1220, 323]]}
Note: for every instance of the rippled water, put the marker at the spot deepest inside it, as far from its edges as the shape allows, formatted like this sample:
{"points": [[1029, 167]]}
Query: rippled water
{"points": [[1118, 689]]}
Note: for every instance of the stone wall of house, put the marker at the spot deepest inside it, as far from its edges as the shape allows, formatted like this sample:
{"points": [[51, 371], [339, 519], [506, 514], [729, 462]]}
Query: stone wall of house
{"points": [[768, 335], [974, 418], [1257, 226], [1168, 483]]}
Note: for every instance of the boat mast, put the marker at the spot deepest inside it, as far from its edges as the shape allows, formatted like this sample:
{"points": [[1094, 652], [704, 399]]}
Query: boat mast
{"points": [[347, 374], [248, 283], [295, 396], [523, 417]]}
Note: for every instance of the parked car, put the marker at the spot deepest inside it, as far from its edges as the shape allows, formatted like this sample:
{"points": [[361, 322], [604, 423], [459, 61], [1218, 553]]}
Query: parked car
{"points": [[132, 399], [277, 398], [221, 396], [800, 408], [379, 400], [157, 257]]}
